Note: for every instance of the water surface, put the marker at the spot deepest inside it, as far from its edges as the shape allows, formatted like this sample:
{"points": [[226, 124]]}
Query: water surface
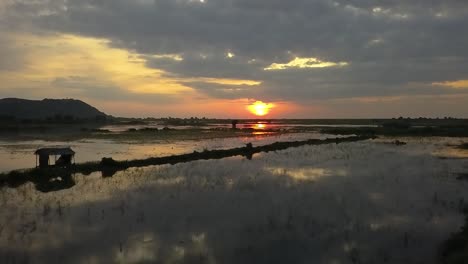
{"points": [[361, 202]]}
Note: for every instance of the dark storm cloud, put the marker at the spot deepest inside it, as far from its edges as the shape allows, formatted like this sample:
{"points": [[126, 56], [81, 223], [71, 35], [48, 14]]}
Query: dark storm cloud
{"points": [[215, 65], [231, 91], [389, 45]]}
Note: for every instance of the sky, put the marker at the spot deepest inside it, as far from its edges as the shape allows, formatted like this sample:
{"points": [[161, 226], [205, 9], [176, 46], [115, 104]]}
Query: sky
{"points": [[223, 58]]}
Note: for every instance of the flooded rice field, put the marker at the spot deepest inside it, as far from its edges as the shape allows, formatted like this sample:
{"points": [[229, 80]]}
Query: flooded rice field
{"points": [[363, 202], [20, 154], [259, 125]]}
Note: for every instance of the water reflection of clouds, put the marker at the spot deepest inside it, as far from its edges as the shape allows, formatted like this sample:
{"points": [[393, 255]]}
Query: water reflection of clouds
{"points": [[451, 152], [139, 248], [240, 211], [19, 155], [439, 147], [306, 174]]}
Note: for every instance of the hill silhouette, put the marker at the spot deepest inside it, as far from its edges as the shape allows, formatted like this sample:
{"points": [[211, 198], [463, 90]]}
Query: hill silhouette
{"points": [[15, 108]]}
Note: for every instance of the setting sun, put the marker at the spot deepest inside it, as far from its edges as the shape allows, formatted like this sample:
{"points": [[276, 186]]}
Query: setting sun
{"points": [[260, 108]]}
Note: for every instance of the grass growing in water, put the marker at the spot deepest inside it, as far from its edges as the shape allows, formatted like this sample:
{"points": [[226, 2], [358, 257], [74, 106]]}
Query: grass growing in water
{"points": [[455, 249], [108, 167]]}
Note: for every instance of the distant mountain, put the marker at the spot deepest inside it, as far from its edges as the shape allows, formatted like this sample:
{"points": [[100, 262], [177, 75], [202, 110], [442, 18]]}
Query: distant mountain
{"points": [[48, 109]]}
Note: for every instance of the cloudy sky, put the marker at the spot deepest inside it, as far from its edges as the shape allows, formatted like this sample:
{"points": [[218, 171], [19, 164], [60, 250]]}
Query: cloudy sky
{"points": [[304, 58]]}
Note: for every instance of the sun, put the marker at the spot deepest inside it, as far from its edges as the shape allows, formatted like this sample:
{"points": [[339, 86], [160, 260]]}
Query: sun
{"points": [[260, 108]]}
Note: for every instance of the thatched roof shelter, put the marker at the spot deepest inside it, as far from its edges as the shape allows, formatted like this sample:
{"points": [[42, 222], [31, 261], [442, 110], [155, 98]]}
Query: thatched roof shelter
{"points": [[54, 151], [66, 156]]}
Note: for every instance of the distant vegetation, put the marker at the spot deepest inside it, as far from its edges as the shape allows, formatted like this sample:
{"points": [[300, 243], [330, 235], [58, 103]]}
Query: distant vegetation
{"points": [[408, 127], [71, 119], [409, 132]]}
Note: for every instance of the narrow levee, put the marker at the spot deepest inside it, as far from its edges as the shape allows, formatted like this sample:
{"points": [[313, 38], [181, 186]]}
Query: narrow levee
{"points": [[57, 178]]}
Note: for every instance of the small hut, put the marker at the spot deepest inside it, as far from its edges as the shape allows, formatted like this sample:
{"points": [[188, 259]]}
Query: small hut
{"points": [[66, 156]]}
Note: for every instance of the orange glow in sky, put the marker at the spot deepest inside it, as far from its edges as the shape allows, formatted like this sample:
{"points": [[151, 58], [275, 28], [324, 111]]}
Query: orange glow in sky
{"points": [[260, 108]]}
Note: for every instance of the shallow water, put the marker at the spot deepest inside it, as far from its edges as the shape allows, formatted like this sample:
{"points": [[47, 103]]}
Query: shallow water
{"points": [[362, 202], [255, 125], [20, 155]]}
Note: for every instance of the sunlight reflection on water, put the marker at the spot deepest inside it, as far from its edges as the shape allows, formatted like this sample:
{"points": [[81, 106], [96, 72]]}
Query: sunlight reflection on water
{"points": [[19, 155], [306, 174], [323, 203]]}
